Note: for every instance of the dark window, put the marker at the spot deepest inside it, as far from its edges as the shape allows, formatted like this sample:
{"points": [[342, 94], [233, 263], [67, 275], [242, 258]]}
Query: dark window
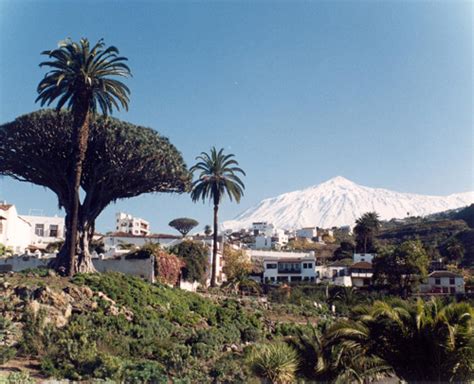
{"points": [[305, 266], [445, 289], [271, 266], [451, 281], [452, 290], [438, 281], [53, 230], [311, 278]]}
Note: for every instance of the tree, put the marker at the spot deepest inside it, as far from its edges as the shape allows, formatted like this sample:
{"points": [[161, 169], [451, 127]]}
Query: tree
{"points": [[237, 267], [217, 176], [183, 225], [83, 78], [207, 230], [366, 228], [195, 256], [123, 160], [455, 250], [345, 251], [424, 341], [401, 268]]}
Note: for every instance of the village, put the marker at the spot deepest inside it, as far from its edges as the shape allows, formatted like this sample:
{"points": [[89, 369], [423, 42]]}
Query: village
{"points": [[32, 241]]}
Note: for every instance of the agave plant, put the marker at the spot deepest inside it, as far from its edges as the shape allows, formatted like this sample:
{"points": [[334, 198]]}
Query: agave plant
{"points": [[276, 362]]}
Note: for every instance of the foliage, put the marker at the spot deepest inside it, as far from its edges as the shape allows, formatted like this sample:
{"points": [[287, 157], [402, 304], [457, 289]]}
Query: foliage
{"points": [[401, 269], [345, 251], [425, 341], [5, 251], [207, 230], [277, 362], [55, 246], [217, 176], [123, 160], [183, 225], [168, 267], [169, 335], [6, 351], [236, 263], [17, 378], [365, 230], [195, 256]]}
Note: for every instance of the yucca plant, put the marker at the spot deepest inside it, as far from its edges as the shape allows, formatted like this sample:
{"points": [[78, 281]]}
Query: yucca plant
{"points": [[276, 363]]}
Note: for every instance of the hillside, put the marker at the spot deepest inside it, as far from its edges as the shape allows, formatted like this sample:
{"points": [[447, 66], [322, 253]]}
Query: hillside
{"points": [[339, 202]]}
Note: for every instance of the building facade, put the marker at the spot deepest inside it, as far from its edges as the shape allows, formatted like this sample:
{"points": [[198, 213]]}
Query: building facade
{"points": [[126, 223]]}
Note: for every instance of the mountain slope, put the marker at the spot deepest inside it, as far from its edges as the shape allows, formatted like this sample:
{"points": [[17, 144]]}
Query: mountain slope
{"points": [[339, 201]]}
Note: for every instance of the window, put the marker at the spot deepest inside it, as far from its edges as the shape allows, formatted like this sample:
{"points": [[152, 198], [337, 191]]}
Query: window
{"points": [[438, 281], [445, 289], [39, 229], [307, 265], [451, 281], [271, 266], [452, 290], [53, 230]]}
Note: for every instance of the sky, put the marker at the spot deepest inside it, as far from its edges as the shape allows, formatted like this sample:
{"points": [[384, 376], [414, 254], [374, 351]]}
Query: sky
{"points": [[380, 92]]}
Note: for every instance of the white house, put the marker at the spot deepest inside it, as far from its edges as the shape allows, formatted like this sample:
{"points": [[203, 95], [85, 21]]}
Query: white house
{"points": [[361, 274], [262, 228], [363, 257], [307, 233], [45, 229], [276, 240], [444, 282], [292, 269], [336, 273], [133, 225], [15, 232]]}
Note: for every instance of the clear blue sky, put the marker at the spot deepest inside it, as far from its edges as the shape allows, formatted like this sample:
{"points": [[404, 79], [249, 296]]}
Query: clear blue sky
{"points": [[378, 92]]}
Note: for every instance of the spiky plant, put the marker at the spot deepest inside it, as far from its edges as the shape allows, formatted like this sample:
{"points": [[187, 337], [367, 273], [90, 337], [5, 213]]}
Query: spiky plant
{"points": [[276, 362]]}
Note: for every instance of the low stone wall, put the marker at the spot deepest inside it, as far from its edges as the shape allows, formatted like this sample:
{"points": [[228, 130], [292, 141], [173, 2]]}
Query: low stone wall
{"points": [[138, 267]]}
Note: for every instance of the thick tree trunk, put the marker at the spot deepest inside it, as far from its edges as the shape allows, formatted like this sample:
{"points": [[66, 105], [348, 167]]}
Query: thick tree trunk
{"points": [[214, 249], [80, 138], [84, 259]]}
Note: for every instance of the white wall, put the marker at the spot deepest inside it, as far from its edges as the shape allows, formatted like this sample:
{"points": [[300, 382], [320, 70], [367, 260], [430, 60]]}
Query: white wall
{"points": [[367, 257], [47, 222], [307, 233], [16, 232]]}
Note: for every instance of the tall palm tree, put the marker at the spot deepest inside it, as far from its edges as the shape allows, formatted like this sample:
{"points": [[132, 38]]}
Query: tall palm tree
{"points": [[83, 79], [217, 177], [367, 226]]}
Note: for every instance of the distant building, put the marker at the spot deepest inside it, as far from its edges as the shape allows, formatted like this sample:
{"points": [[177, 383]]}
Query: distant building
{"points": [[133, 225], [262, 228], [444, 282], [363, 257], [15, 232], [45, 230], [307, 233], [276, 240], [361, 274], [118, 240], [21, 232], [278, 269]]}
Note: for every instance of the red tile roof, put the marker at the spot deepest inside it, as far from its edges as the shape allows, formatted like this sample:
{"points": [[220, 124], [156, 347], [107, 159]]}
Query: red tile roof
{"points": [[5, 207], [361, 265], [443, 274]]}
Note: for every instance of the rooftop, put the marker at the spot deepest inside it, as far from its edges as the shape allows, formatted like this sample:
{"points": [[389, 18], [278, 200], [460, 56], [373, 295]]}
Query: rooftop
{"points": [[443, 274]]}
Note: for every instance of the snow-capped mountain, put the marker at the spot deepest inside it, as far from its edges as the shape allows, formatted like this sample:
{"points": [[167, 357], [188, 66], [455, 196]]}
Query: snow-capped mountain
{"points": [[339, 202]]}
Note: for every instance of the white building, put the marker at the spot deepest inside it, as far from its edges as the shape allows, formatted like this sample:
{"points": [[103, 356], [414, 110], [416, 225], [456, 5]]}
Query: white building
{"points": [[116, 241], [361, 274], [444, 282], [133, 225], [363, 257], [262, 228], [45, 230], [276, 240], [15, 232], [291, 269], [307, 233]]}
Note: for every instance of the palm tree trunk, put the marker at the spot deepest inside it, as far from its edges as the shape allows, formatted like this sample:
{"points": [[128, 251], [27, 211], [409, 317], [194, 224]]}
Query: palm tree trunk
{"points": [[214, 249], [80, 138]]}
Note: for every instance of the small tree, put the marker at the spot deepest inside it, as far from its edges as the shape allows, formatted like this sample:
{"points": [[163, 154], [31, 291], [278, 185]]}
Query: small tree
{"points": [[207, 230], [401, 268], [183, 225], [195, 256], [237, 264], [366, 228]]}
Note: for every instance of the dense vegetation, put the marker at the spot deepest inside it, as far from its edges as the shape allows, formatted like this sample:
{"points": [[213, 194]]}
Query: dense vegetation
{"points": [[124, 329]]}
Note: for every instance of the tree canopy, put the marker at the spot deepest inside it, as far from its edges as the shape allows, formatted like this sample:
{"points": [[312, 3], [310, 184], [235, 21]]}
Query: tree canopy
{"points": [[195, 256], [365, 230], [183, 225], [123, 160]]}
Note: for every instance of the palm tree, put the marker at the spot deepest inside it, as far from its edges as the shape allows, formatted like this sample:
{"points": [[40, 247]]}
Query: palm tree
{"points": [[82, 78], [217, 177], [367, 226], [425, 341]]}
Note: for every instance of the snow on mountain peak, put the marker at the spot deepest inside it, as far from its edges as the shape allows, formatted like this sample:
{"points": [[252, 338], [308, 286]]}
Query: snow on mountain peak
{"points": [[340, 201]]}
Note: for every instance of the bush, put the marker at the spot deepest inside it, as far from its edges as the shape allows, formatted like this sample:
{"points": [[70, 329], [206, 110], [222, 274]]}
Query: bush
{"points": [[277, 362]]}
